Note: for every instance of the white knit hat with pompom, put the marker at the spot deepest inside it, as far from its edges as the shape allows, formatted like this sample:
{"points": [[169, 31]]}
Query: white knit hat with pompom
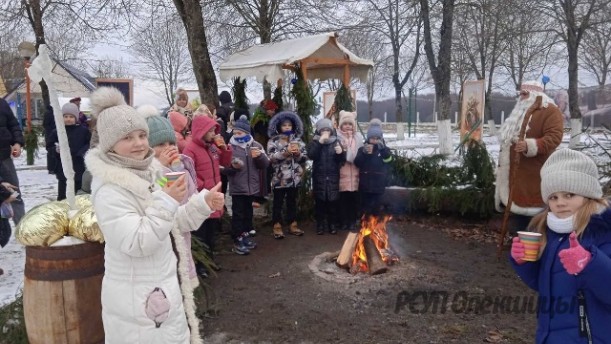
{"points": [[115, 119]]}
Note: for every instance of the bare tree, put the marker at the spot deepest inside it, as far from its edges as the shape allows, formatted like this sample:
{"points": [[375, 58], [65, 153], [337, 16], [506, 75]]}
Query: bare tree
{"points": [[159, 48], [440, 65], [530, 44], [481, 26], [596, 56], [190, 12], [400, 23], [11, 64], [110, 68], [366, 44], [573, 19], [89, 18]]}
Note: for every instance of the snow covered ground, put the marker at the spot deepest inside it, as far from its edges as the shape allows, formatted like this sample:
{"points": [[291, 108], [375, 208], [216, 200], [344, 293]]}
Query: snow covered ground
{"points": [[37, 186]]}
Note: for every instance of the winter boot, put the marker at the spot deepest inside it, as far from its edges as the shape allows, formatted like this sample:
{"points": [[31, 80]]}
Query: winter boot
{"points": [[277, 231], [333, 229], [293, 229], [320, 228]]}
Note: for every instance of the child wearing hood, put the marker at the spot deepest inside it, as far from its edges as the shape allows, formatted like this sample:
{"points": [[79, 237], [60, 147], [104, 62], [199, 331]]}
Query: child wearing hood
{"points": [[142, 298], [351, 140], [287, 153], [328, 156], [163, 141], [248, 160], [372, 161], [182, 105], [210, 153], [572, 271], [180, 124]]}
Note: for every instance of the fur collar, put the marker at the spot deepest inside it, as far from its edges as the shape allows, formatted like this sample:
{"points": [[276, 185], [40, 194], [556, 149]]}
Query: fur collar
{"points": [[109, 174]]}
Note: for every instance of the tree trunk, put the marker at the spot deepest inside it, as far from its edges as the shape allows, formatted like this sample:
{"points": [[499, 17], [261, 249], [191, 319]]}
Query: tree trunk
{"points": [[572, 49], [190, 12], [441, 69], [398, 104], [35, 17]]}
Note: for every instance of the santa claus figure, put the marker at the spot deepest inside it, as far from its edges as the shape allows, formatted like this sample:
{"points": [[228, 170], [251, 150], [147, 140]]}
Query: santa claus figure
{"points": [[528, 137]]}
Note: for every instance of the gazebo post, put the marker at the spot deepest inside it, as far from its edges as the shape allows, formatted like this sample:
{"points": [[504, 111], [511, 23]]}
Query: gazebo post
{"points": [[346, 80], [304, 70]]}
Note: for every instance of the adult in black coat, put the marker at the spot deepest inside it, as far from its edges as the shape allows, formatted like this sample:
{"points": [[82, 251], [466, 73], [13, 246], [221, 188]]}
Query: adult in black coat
{"points": [[48, 123], [11, 141], [78, 140], [328, 157]]}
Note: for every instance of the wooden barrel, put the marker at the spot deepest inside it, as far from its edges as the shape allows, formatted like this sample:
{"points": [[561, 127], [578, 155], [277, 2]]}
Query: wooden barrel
{"points": [[62, 294]]}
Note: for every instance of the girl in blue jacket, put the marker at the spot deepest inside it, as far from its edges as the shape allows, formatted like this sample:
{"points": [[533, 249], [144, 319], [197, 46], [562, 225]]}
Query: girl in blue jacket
{"points": [[573, 272]]}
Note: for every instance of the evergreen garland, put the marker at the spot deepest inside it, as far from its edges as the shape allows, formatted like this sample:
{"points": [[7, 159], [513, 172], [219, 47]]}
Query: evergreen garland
{"points": [[306, 105], [343, 101], [467, 189], [31, 144], [278, 97], [239, 94]]}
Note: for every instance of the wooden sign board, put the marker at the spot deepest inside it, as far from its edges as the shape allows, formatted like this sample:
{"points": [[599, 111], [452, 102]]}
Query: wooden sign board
{"points": [[126, 86]]}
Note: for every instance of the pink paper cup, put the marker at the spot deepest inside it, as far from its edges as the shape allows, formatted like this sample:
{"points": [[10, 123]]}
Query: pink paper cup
{"points": [[172, 177]]}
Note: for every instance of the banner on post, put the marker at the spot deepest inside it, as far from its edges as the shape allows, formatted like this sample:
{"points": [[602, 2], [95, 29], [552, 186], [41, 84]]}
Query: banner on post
{"points": [[472, 110]]}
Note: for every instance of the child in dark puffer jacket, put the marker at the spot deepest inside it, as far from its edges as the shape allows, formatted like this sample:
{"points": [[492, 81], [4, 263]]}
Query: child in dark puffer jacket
{"points": [[572, 271], [372, 160], [328, 156]]}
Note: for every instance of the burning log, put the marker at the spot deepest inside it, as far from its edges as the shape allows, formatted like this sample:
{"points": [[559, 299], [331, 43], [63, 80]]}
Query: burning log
{"points": [[375, 264], [344, 259]]}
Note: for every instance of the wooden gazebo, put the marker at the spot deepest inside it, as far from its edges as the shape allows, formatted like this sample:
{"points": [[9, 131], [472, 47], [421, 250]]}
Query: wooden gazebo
{"points": [[319, 57]]}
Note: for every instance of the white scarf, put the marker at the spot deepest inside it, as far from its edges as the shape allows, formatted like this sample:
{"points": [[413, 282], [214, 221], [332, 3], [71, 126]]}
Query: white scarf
{"points": [[560, 226]]}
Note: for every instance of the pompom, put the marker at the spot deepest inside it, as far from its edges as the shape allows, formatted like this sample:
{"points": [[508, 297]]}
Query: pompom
{"points": [[147, 111], [104, 98], [243, 118], [375, 121]]}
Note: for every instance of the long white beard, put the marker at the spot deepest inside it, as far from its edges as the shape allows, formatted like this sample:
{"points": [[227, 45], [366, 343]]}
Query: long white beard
{"points": [[510, 130]]}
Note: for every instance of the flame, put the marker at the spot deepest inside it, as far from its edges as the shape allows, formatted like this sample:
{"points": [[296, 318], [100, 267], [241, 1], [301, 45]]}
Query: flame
{"points": [[376, 230]]}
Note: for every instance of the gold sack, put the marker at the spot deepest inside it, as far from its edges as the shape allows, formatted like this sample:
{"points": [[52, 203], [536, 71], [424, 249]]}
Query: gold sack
{"points": [[84, 225], [43, 225], [80, 201]]}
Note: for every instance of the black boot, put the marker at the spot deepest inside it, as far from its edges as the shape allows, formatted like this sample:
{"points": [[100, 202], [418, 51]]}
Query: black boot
{"points": [[333, 229], [320, 228]]}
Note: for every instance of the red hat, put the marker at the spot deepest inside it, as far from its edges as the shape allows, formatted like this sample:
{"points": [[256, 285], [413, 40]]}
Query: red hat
{"points": [[270, 105]]}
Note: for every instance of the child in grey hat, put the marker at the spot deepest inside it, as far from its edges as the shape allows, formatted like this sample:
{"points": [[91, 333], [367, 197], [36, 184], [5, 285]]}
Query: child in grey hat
{"points": [[573, 267], [372, 161], [328, 156]]}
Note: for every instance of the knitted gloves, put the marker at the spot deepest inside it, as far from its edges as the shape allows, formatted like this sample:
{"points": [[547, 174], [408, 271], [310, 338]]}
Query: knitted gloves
{"points": [[517, 251], [575, 258]]}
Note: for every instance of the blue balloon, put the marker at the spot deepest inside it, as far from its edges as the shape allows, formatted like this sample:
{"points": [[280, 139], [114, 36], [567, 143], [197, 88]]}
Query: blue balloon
{"points": [[545, 79]]}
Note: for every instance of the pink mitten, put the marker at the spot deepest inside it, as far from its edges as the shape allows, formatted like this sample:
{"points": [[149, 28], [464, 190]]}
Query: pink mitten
{"points": [[157, 306], [575, 258], [517, 251]]}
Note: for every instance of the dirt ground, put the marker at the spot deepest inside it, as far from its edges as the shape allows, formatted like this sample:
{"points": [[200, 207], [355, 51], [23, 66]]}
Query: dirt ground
{"points": [[273, 295]]}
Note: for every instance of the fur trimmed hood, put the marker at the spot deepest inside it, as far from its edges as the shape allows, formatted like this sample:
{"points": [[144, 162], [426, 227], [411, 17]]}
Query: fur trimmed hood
{"points": [[276, 121]]}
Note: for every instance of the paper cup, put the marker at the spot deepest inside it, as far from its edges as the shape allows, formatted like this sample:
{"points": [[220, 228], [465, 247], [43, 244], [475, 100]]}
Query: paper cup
{"points": [[294, 146], [172, 177], [532, 243], [253, 151]]}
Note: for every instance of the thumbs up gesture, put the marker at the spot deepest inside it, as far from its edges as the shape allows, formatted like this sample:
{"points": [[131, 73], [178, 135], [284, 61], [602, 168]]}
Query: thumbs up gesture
{"points": [[214, 198], [575, 258]]}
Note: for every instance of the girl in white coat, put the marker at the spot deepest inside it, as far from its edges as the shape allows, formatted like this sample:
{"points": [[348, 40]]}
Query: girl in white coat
{"points": [[141, 294]]}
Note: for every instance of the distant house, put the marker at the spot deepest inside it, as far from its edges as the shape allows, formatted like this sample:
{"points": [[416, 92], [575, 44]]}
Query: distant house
{"points": [[69, 83]]}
